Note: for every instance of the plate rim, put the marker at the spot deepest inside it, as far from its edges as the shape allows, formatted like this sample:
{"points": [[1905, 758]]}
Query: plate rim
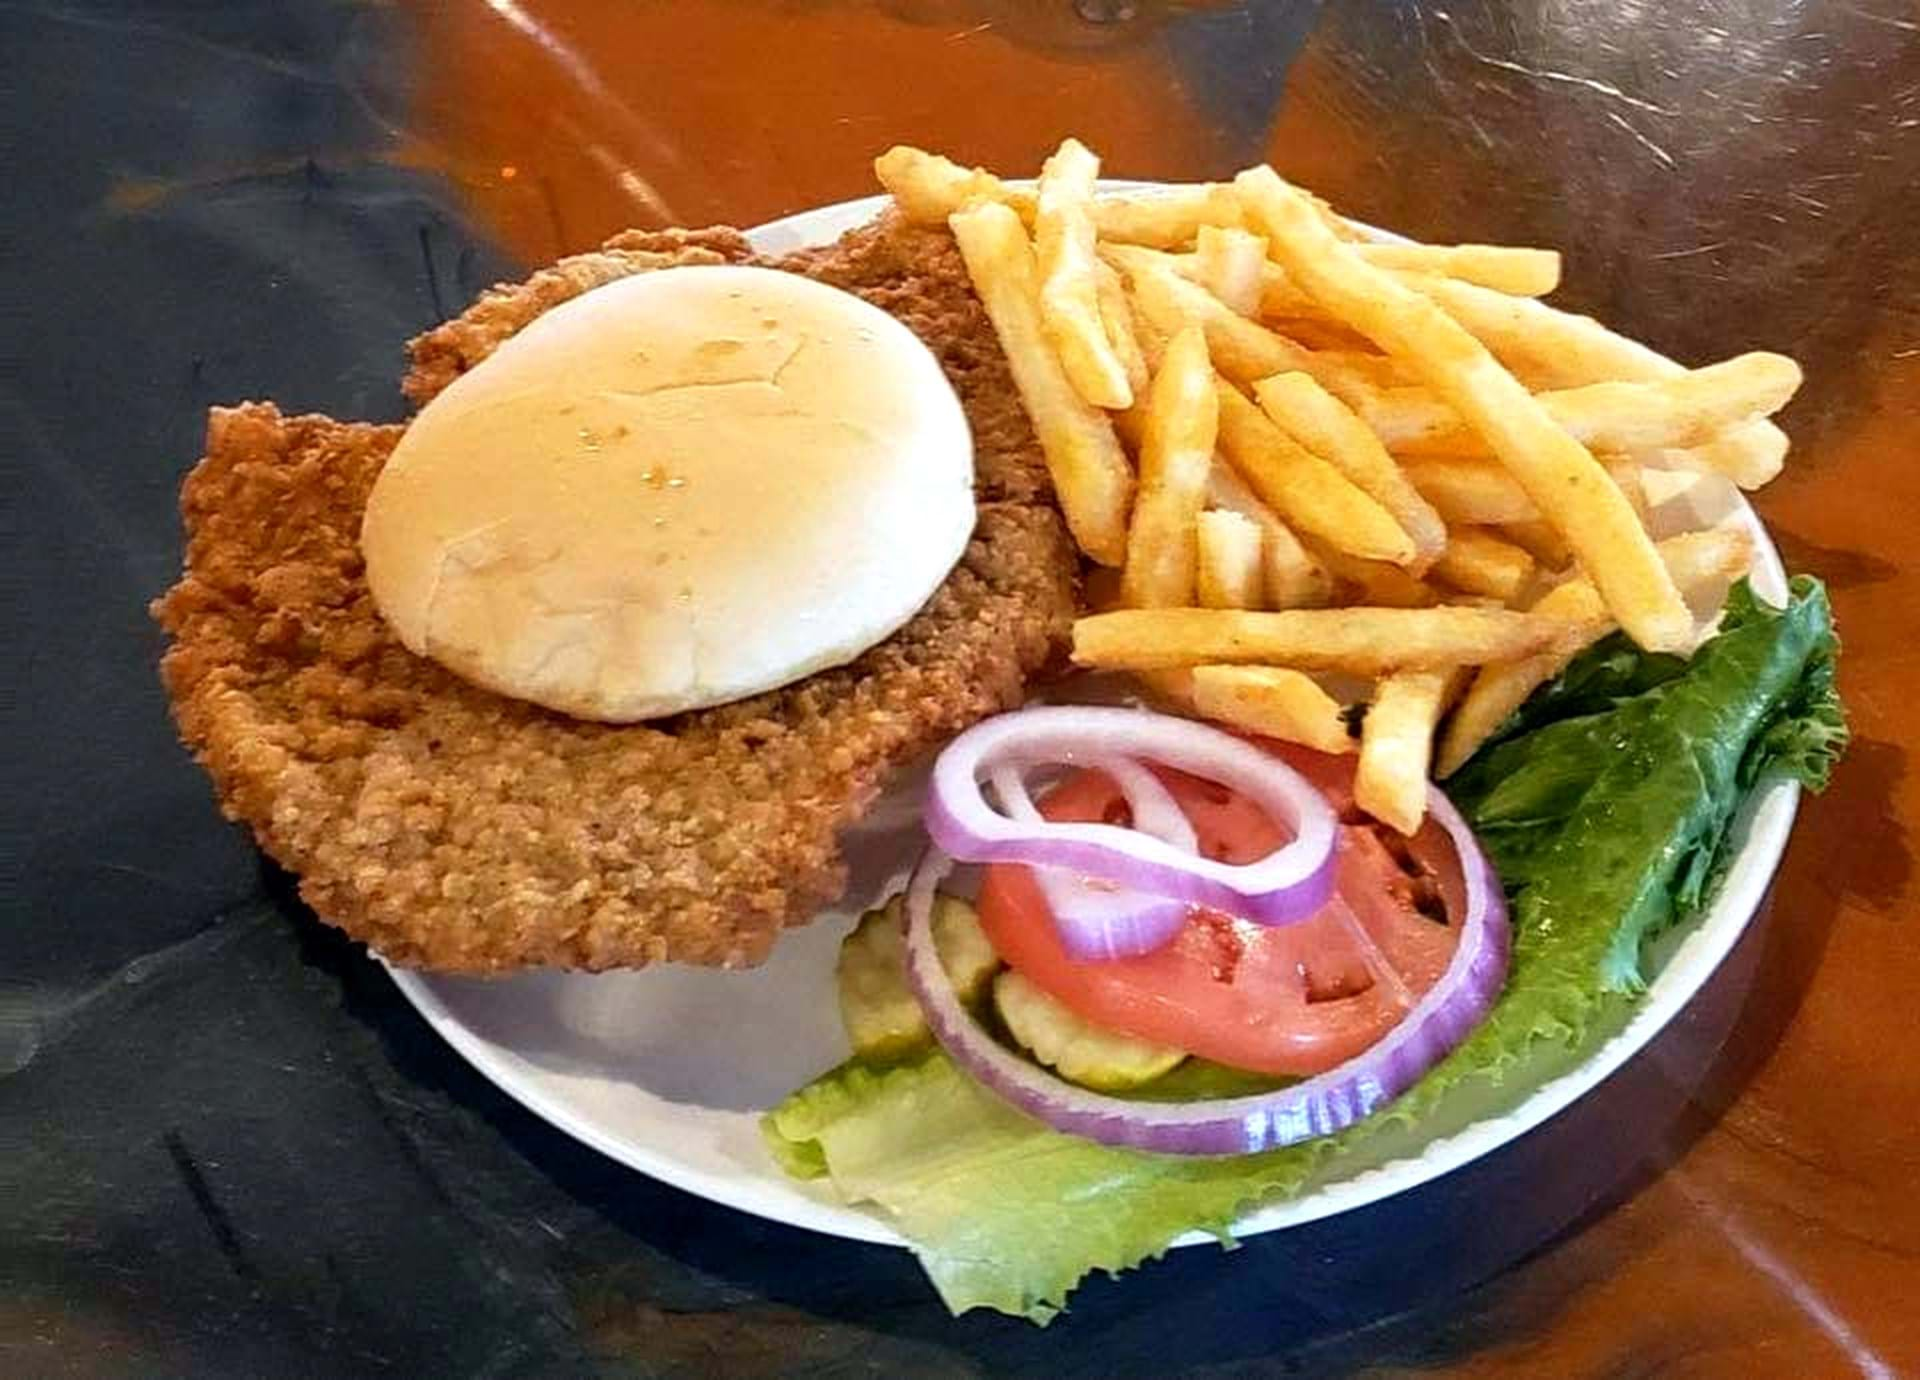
{"points": [[1769, 817]]}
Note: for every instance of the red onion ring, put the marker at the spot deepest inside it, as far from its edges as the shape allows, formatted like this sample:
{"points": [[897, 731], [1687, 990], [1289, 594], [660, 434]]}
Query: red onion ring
{"points": [[1321, 1105], [1288, 884], [1099, 921]]}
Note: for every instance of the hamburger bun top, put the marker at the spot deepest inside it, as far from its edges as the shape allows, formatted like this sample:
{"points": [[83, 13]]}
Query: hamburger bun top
{"points": [[682, 488]]}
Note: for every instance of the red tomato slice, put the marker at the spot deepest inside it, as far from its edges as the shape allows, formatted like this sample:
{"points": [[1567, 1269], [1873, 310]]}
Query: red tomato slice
{"points": [[1294, 999]]}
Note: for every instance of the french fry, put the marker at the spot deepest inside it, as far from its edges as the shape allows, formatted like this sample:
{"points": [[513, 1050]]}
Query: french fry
{"points": [[1499, 688], [1091, 476], [1363, 641], [1522, 272], [1281, 297], [1697, 561], [1751, 454], [1294, 578], [1166, 297], [1069, 294], [1687, 409], [1170, 690], [1330, 338], [1272, 701], [1705, 564], [1348, 372], [1560, 475], [1554, 349], [1116, 314], [1167, 218], [928, 188], [1176, 454], [1473, 491], [1418, 266], [1543, 345], [1230, 574], [1479, 562], [1305, 490], [1627, 475], [1320, 347], [1374, 582], [1539, 540], [1228, 263], [1243, 350], [1414, 422], [1306, 411], [1396, 745], [1131, 422], [1147, 332]]}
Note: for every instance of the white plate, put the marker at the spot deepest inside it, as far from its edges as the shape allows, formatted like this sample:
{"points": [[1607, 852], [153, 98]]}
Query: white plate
{"points": [[668, 1070]]}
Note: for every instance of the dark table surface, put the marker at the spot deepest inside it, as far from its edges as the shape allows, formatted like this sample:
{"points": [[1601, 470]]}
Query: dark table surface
{"points": [[228, 1146]]}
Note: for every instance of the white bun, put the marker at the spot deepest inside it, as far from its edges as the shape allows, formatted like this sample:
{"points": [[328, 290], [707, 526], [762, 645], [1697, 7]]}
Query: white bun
{"points": [[679, 489]]}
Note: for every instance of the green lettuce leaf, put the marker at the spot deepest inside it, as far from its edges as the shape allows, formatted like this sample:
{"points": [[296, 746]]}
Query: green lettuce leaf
{"points": [[1608, 807], [1608, 804], [1005, 1213]]}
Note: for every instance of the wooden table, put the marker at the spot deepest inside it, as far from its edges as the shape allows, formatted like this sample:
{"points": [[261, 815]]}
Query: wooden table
{"points": [[242, 1154]]}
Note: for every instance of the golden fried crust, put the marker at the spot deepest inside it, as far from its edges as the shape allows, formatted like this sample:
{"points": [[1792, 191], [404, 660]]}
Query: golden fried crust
{"points": [[458, 830], [450, 349]]}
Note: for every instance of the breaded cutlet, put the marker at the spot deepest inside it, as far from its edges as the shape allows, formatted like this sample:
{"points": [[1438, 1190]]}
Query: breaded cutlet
{"points": [[457, 830]]}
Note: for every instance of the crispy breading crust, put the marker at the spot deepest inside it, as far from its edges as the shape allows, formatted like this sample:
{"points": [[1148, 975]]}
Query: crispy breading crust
{"points": [[450, 349], [458, 830]]}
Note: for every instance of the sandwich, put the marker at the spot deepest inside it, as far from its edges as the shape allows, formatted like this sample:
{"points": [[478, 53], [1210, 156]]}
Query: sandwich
{"points": [[481, 744]]}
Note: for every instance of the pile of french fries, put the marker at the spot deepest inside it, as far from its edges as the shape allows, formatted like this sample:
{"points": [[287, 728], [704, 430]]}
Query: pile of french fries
{"points": [[1330, 470]]}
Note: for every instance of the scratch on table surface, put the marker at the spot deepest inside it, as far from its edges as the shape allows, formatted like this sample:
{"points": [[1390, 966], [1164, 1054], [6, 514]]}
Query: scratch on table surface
{"points": [[1548, 74], [1660, 155], [1479, 130], [1694, 252], [1798, 1290], [210, 1207], [963, 34], [141, 873], [309, 1073], [1892, 21]]}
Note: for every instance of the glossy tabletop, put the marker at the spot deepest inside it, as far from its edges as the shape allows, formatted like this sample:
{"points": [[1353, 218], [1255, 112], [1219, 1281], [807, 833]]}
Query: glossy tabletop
{"points": [[227, 1146]]}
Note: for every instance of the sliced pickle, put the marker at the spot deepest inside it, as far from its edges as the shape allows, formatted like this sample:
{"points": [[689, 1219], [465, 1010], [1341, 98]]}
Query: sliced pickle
{"points": [[1076, 1049], [877, 1007]]}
